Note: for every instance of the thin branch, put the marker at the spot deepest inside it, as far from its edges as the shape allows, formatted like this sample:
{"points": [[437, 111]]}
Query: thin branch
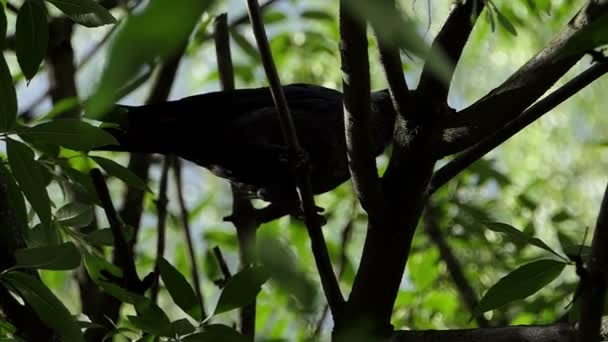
{"points": [[196, 279], [561, 332], [123, 254], [468, 157], [453, 265], [319, 248], [219, 257], [161, 209], [243, 213], [522, 89], [594, 283], [451, 41], [356, 84]]}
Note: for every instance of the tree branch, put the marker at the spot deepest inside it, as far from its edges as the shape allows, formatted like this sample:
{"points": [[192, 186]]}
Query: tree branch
{"points": [[243, 213], [390, 57], [196, 279], [319, 248], [356, 84], [595, 279], [161, 209], [561, 332], [519, 91], [475, 152], [451, 41]]}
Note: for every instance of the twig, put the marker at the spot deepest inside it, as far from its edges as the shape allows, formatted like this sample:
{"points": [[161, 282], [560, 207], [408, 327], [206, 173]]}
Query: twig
{"points": [[217, 252], [345, 241], [453, 265], [161, 209], [313, 225], [196, 280], [593, 284], [123, 254], [243, 212], [475, 152]]}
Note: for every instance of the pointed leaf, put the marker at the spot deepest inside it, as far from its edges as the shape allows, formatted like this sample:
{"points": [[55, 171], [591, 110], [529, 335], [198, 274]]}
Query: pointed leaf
{"points": [[85, 12], [180, 290], [519, 284], [75, 215], [27, 173], [32, 34], [59, 257], [517, 235], [122, 173], [48, 308], [71, 133], [506, 23], [151, 319], [8, 98], [241, 289]]}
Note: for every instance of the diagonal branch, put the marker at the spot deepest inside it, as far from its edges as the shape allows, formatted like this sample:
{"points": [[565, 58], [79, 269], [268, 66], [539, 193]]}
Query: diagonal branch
{"points": [[453, 265], [356, 83], [390, 58], [523, 88], [451, 40], [319, 248], [468, 157]]}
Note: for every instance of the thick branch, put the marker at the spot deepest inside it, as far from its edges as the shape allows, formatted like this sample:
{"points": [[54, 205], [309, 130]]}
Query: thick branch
{"points": [[548, 333], [451, 41], [520, 90], [468, 157], [356, 83], [319, 248], [595, 279]]}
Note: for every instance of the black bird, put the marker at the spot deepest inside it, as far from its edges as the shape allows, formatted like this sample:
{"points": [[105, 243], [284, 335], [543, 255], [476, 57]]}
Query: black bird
{"points": [[236, 135]]}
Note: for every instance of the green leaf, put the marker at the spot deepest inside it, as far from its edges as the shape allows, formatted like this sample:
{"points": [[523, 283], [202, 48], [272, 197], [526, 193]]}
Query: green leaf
{"points": [[180, 290], [82, 184], [122, 173], [282, 265], [505, 22], [183, 327], [519, 284], [519, 236], [154, 42], [151, 319], [241, 289], [43, 235], [85, 12], [48, 308], [246, 46], [15, 197], [71, 133], [27, 173], [59, 257], [318, 15], [8, 98], [75, 215], [32, 34], [102, 237], [96, 265], [216, 332]]}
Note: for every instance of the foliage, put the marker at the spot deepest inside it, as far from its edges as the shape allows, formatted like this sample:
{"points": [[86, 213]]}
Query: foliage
{"points": [[526, 274]]}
